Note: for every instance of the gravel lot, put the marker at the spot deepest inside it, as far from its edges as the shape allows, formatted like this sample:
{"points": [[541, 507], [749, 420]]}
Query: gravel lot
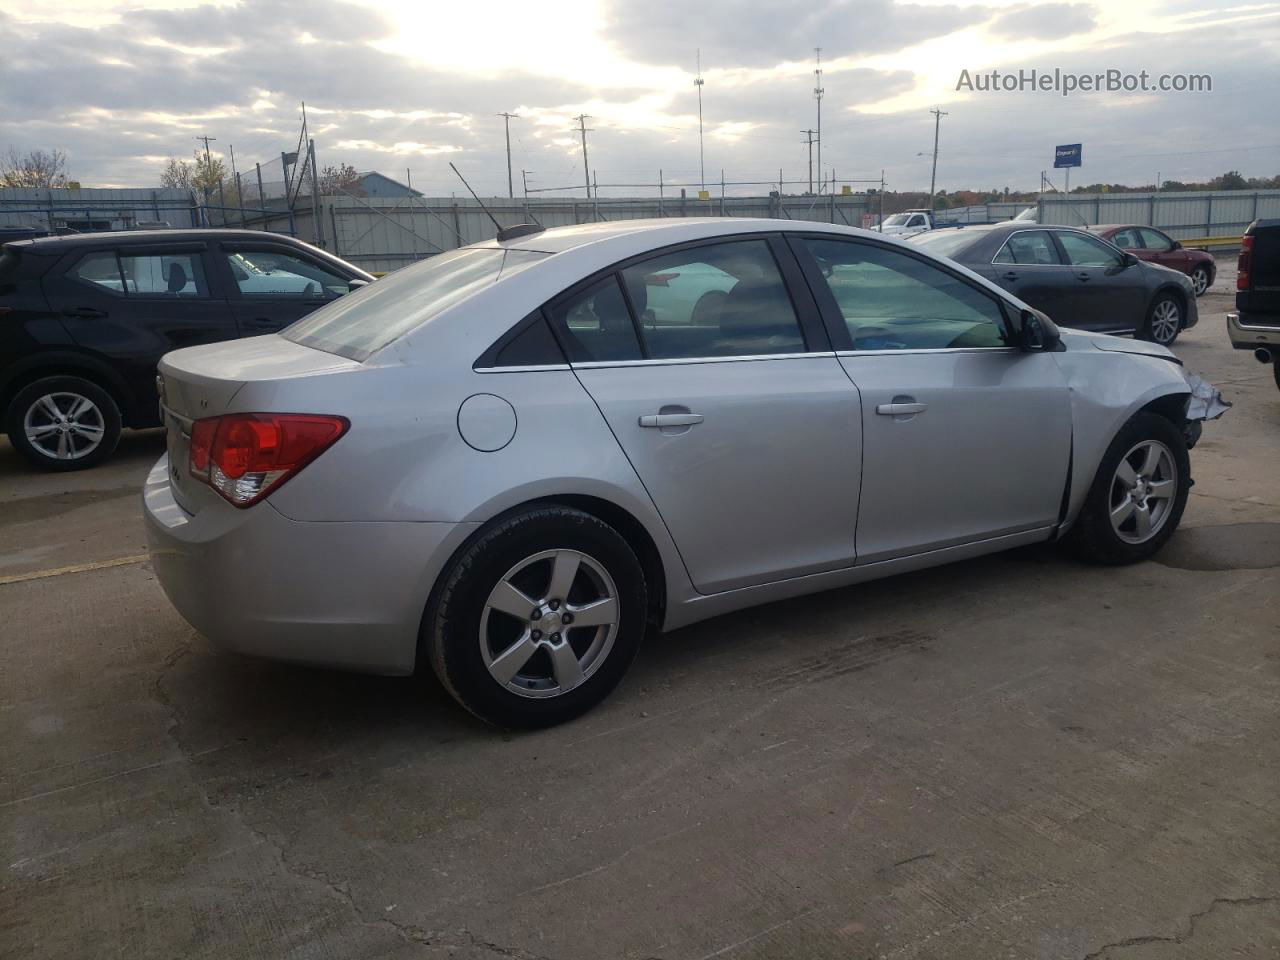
{"points": [[1014, 757]]}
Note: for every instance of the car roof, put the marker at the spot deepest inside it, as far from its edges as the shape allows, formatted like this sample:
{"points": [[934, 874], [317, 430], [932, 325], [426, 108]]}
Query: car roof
{"points": [[659, 232]]}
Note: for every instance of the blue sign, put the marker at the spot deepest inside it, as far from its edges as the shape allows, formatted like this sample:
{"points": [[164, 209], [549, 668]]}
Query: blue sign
{"points": [[1067, 155]]}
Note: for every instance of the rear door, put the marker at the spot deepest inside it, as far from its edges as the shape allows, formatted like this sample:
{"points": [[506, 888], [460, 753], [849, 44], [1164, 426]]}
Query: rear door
{"points": [[272, 285], [1030, 267], [132, 304], [715, 376], [965, 438], [1108, 294]]}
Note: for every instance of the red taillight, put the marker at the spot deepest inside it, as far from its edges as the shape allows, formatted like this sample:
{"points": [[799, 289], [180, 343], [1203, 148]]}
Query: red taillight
{"points": [[245, 456], [1243, 264]]}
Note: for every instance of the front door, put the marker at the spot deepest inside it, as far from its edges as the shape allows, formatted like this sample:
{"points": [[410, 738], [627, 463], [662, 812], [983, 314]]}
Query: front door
{"points": [[965, 437], [1110, 294], [271, 287], [748, 443], [132, 305], [1160, 249]]}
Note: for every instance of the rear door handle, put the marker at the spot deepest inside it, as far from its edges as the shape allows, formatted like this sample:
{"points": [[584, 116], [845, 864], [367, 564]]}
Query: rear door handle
{"points": [[901, 409], [670, 419], [1009, 275]]}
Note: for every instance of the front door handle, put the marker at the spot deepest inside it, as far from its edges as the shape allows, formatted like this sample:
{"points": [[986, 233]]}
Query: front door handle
{"points": [[1082, 276], [670, 419], [898, 409]]}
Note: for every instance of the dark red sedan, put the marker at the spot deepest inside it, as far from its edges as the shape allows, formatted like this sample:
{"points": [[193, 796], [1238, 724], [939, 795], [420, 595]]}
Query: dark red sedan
{"points": [[1148, 243]]}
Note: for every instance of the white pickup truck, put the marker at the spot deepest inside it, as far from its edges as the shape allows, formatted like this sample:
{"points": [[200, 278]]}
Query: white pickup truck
{"points": [[908, 224]]}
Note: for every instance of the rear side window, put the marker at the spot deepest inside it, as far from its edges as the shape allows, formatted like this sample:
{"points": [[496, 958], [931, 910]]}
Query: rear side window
{"points": [[1127, 239], [597, 324], [363, 322], [101, 270], [164, 275], [1031, 247]]}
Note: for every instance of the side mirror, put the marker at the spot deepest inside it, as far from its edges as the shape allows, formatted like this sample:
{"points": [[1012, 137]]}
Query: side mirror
{"points": [[1127, 261], [353, 285], [1036, 332], [1177, 245]]}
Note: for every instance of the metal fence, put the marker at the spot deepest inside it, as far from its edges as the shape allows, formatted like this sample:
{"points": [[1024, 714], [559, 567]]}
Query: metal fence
{"points": [[92, 209], [1184, 216], [385, 235]]}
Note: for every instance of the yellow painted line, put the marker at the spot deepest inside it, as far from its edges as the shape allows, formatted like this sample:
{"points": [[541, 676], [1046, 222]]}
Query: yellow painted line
{"points": [[74, 568]]}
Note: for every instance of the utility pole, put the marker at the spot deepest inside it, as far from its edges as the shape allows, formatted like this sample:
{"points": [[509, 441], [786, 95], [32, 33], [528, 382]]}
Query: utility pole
{"points": [[702, 166], [582, 119], [506, 119], [818, 91], [810, 141], [933, 177], [208, 163]]}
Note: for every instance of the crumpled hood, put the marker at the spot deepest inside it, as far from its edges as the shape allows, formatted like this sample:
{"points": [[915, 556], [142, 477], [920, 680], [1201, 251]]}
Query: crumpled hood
{"points": [[1104, 341]]}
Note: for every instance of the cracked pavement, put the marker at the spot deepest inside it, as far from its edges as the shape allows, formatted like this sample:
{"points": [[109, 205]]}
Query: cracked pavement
{"points": [[1014, 757]]}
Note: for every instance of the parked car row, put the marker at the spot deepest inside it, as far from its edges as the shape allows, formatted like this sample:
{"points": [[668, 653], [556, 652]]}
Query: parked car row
{"points": [[1074, 276], [85, 319]]}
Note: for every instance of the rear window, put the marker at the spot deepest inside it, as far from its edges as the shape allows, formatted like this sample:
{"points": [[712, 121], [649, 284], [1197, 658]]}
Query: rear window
{"points": [[359, 324], [946, 243]]}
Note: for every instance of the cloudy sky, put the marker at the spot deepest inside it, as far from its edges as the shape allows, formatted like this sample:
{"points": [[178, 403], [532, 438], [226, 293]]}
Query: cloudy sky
{"points": [[414, 84]]}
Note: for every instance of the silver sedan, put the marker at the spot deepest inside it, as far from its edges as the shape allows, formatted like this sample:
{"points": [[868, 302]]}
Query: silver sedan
{"points": [[511, 460]]}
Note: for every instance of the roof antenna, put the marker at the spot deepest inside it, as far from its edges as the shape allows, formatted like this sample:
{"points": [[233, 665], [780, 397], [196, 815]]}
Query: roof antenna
{"points": [[504, 233]]}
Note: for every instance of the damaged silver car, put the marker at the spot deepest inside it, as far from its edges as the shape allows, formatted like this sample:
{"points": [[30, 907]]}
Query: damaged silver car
{"points": [[511, 460]]}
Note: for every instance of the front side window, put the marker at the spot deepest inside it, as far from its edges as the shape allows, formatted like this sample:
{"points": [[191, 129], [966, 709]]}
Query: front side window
{"points": [[1085, 251], [275, 274], [1030, 247], [163, 274], [357, 325], [891, 301], [715, 300], [916, 221], [1155, 240]]}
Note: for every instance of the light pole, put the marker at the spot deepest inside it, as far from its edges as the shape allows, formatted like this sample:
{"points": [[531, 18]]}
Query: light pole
{"points": [[702, 167]]}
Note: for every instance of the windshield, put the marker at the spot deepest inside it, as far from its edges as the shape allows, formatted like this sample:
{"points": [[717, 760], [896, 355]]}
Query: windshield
{"points": [[946, 243], [1027, 214], [897, 220], [361, 323]]}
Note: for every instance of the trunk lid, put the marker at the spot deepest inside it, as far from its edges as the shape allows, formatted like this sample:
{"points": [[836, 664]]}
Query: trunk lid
{"points": [[199, 382]]}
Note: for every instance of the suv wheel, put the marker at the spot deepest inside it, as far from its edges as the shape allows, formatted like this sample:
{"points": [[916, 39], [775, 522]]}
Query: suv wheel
{"points": [[64, 423], [1138, 494], [1164, 320], [538, 619]]}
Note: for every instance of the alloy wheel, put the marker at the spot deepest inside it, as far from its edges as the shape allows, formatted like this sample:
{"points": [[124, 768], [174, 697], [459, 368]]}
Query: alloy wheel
{"points": [[1166, 318], [1200, 280], [64, 426], [549, 623], [1143, 491]]}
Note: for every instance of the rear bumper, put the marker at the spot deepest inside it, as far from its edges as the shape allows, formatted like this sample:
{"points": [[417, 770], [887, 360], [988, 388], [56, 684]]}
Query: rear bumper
{"points": [[347, 595], [1251, 331]]}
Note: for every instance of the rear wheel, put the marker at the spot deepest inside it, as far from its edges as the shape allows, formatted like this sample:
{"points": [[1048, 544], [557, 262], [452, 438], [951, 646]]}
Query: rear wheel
{"points": [[1200, 280], [64, 423], [1164, 320], [538, 619], [1138, 494]]}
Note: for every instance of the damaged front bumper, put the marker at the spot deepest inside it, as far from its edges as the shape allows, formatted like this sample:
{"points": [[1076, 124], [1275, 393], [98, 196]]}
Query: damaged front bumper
{"points": [[1205, 403]]}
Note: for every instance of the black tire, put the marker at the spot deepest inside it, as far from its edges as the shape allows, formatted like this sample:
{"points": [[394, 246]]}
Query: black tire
{"points": [[451, 630], [103, 415], [1093, 538], [1154, 329], [1200, 280], [1275, 372]]}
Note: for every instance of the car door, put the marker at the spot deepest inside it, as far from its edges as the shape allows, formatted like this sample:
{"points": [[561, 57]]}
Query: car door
{"points": [[730, 405], [270, 285], [1162, 250], [965, 438], [131, 304], [1029, 266], [1110, 293]]}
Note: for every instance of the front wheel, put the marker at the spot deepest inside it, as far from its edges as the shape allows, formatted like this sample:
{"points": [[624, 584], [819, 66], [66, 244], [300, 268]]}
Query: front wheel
{"points": [[1164, 320], [64, 423], [538, 619], [1138, 494]]}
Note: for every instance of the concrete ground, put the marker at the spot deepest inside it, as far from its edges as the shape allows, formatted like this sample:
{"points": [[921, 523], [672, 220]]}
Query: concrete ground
{"points": [[1013, 757]]}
